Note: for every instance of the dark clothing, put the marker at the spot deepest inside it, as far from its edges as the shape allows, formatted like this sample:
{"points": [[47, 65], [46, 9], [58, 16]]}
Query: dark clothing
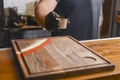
{"points": [[80, 14]]}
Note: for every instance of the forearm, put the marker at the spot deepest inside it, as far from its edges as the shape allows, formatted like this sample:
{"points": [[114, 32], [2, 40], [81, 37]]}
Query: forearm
{"points": [[42, 10]]}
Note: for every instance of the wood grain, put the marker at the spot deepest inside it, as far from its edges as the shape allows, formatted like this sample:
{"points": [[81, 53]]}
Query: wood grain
{"points": [[60, 55], [7, 65]]}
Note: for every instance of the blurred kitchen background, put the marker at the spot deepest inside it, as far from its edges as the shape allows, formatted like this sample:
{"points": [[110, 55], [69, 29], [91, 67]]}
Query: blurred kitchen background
{"points": [[17, 20]]}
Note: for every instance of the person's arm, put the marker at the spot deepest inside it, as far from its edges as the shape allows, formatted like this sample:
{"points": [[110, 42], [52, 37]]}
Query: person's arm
{"points": [[43, 8]]}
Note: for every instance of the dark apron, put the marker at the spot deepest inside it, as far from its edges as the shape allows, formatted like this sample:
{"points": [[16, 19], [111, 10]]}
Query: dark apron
{"points": [[84, 18]]}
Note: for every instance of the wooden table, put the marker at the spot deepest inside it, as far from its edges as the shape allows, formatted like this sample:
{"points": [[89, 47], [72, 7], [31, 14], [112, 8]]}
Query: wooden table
{"points": [[109, 48]]}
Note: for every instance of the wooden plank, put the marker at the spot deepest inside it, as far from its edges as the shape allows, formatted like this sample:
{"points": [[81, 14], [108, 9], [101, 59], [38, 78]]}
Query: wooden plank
{"points": [[55, 55]]}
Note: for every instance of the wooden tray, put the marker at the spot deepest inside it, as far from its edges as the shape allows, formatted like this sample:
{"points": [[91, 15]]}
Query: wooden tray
{"points": [[57, 55]]}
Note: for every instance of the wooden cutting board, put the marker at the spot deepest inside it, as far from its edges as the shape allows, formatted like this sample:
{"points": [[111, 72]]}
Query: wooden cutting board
{"points": [[57, 55]]}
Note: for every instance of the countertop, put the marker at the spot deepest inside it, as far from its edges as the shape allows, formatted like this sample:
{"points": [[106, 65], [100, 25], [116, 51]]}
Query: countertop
{"points": [[109, 48]]}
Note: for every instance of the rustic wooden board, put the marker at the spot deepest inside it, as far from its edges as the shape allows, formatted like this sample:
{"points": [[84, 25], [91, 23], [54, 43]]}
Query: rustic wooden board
{"points": [[56, 55]]}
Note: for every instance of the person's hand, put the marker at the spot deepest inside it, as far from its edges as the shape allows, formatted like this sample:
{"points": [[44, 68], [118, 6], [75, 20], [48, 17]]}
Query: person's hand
{"points": [[52, 23]]}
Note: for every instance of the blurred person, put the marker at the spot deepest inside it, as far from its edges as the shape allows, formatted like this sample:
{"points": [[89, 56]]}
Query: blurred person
{"points": [[84, 16]]}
